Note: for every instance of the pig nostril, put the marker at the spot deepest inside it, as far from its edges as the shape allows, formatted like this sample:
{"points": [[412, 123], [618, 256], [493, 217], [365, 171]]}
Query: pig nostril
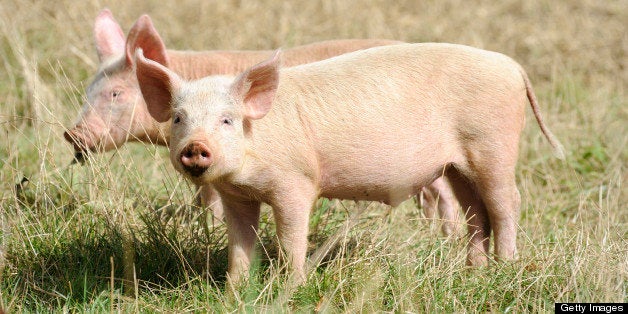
{"points": [[187, 154]]}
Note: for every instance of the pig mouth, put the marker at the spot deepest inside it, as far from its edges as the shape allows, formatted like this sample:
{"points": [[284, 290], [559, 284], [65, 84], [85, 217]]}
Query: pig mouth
{"points": [[86, 141], [81, 140], [79, 158], [195, 171]]}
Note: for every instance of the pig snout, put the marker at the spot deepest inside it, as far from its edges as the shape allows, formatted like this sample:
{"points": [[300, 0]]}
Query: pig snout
{"points": [[79, 140], [196, 158]]}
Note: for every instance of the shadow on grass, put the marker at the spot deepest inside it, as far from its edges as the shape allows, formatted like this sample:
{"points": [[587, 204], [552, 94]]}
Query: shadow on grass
{"points": [[156, 255], [77, 268]]}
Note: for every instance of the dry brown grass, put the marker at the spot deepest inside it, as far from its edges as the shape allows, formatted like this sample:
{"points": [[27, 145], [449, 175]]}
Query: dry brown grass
{"points": [[574, 229]]}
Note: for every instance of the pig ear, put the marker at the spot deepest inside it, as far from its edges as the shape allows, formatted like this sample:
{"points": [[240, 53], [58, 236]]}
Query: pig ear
{"points": [[108, 35], [157, 84], [143, 35], [257, 87]]}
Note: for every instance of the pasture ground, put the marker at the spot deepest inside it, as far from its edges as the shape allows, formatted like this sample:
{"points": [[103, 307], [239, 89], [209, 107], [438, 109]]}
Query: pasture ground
{"points": [[119, 234]]}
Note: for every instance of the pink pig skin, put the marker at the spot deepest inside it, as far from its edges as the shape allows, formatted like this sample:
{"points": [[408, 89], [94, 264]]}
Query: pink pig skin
{"points": [[115, 112], [377, 124]]}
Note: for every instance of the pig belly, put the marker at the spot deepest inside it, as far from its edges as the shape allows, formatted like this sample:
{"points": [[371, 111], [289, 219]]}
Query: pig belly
{"points": [[388, 165], [387, 181]]}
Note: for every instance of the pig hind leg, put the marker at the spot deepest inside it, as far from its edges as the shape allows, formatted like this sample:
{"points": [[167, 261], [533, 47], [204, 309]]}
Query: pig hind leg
{"points": [[439, 195], [490, 181], [494, 173], [502, 199], [478, 223], [429, 201]]}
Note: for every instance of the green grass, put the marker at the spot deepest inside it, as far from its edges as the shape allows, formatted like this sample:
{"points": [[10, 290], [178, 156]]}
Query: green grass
{"points": [[120, 233]]}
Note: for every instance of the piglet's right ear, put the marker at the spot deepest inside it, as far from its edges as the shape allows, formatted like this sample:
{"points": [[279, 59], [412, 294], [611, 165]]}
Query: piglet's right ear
{"points": [[157, 84], [108, 35]]}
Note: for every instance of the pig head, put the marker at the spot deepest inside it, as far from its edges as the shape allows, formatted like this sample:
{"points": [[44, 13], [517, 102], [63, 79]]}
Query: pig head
{"points": [[114, 111]]}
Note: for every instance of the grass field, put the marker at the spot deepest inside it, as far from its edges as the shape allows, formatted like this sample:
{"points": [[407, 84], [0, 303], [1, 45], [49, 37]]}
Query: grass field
{"points": [[120, 234]]}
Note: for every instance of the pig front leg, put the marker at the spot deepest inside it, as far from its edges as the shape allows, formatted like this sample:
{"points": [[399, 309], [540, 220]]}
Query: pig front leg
{"points": [[292, 213], [209, 197], [242, 219]]}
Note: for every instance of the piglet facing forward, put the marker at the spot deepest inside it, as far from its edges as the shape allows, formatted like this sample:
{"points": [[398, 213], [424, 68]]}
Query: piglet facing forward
{"points": [[376, 125]]}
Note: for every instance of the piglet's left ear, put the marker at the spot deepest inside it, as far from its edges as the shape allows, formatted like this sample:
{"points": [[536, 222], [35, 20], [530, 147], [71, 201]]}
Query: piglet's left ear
{"points": [[143, 35], [257, 87], [158, 85]]}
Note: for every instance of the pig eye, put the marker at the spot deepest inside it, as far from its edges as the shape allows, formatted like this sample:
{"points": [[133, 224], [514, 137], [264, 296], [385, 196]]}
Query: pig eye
{"points": [[115, 93], [227, 121], [177, 119]]}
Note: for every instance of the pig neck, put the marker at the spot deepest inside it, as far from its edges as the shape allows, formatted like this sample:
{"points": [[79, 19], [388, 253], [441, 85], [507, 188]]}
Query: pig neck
{"points": [[192, 65]]}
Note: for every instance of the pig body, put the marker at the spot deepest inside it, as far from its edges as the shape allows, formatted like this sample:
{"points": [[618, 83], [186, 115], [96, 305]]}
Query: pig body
{"points": [[115, 112], [377, 125]]}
